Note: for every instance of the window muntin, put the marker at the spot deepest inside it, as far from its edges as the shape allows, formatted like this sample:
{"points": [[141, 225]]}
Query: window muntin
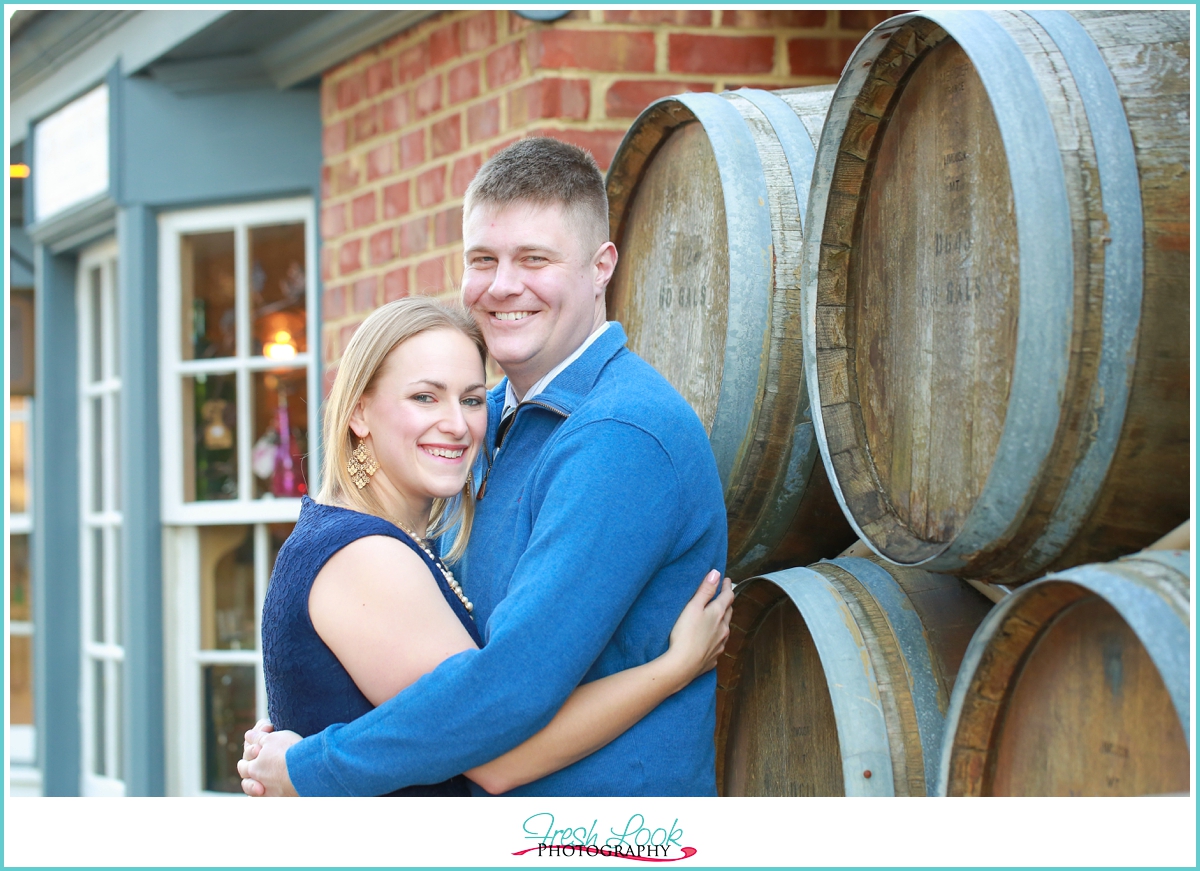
{"points": [[103, 654], [237, 369]]}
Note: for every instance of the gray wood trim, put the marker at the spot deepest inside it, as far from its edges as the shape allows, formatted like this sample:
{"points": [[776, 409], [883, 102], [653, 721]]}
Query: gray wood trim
{"points": [[52, 40], [55, 539], [143, 37], [141, 530], [76, 226]]}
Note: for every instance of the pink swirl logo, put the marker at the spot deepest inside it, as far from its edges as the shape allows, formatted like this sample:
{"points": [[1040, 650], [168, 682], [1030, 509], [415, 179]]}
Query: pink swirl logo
{"points": [[627, 851]]}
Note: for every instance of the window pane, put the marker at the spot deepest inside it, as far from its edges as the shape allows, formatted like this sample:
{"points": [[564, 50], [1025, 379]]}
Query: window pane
{"points": [[113, 540], [277, 534], [18, 432], [116, 671], [20, 679], [114, 323], [227, 588], [96, 583], [94, 435], [209, 316], [280, 454], [99, 735], [95, 300], [114, 452], [228, 713], [210, 437], [277, 284], [20, 597]]}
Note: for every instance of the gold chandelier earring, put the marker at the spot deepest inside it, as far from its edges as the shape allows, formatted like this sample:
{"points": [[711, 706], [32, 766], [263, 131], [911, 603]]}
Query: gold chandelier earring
{"points": [[361, 465]]}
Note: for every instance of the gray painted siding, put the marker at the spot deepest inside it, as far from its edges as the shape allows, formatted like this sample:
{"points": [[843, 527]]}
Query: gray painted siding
{"points": [[211, 148], [141, 531], [55, 537], [169, 151]]}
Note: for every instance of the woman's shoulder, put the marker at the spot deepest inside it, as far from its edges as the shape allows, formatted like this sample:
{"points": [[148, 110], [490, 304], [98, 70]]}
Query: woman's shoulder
{"points": [[322, 531], [323, 526], [377, 572], [377, 551]]}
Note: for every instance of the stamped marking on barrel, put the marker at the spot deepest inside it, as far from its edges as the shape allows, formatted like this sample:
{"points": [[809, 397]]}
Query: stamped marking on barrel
{"points": [[954, 242], [951, 164], [963, 289], [1114, 749]]}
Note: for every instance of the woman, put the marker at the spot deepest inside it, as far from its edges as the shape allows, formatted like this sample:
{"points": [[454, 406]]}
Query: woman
{"points": [[360, 605]]}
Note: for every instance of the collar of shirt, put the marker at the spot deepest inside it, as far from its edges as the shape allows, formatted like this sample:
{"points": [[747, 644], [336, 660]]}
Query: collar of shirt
{"points": [[510, 396]]}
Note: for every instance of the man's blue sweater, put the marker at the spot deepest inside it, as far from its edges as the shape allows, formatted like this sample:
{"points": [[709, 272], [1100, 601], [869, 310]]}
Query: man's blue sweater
{"points": [[602, 512]]}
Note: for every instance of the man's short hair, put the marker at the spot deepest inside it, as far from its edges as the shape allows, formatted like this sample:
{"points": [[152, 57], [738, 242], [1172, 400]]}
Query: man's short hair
{"points": [[542, 171]]}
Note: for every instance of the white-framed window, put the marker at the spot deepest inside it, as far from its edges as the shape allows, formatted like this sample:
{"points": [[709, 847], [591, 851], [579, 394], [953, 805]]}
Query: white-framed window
{"points": [[100, 526], [239, 364], [24, 779]]}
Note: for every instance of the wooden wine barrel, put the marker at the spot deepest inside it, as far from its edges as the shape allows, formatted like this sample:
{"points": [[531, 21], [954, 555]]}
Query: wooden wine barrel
{"points": [[1078, 684], [995, 288], [837, 677], [707, 195]]}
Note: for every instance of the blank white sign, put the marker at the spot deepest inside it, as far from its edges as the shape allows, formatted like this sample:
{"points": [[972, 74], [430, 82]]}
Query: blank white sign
{"points": [[70, 154]]}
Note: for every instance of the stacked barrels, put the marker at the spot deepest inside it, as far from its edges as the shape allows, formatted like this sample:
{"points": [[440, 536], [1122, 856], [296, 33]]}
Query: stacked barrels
{"points": [[1078, 684], [998, 288], [971, 301], [705, 193]]}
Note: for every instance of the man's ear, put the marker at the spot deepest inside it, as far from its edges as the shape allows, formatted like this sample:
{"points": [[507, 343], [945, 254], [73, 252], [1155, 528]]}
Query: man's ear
{"points": [[603, 265]]}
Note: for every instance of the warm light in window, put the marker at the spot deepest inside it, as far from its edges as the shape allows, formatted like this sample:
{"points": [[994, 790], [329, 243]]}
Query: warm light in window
{"points": [[282, 348], [18, 170]]}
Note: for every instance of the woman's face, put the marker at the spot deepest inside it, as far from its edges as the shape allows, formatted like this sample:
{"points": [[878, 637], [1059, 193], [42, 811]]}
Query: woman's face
{"points": [[425, 419]]}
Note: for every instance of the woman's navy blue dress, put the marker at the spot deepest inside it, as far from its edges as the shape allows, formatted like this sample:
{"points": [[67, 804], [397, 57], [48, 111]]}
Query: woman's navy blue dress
{"points": [[307, 688]]}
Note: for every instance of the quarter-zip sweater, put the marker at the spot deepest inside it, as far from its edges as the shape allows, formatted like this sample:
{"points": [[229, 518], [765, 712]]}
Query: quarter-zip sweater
{"points": [[602, 511]]}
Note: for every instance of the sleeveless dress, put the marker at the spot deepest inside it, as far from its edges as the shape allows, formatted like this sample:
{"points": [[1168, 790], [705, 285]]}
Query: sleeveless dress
{"points": [[307, 688]]}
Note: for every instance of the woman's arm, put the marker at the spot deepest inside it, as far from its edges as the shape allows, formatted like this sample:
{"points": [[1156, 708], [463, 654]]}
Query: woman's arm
{"points": [[376, 606], [600, 711]]}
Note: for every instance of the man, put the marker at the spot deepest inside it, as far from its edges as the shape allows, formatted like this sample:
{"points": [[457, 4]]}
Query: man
{"points": [[599, 506]]}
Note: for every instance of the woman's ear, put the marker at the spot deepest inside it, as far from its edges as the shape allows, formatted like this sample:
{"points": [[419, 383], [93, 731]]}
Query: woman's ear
{"points": [[358, 420]]}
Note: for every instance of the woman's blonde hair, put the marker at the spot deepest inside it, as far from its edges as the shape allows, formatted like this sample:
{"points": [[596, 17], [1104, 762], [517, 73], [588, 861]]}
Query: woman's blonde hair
{"points": [[358, 372]]}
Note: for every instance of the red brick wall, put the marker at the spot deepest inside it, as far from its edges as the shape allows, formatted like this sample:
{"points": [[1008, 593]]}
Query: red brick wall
{"points": [[407, 123]]}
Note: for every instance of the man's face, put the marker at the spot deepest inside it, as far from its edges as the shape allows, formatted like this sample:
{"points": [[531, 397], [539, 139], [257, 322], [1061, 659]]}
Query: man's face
{"points": [[532, 285]]}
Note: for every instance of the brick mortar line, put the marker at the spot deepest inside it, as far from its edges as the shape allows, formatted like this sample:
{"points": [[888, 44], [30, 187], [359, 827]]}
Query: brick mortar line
{"points": [[662, 59], [601, 82], [658, 29]]}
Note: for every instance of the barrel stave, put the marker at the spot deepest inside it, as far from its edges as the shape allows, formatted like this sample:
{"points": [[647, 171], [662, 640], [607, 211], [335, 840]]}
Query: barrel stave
{"points": [[895, 697], [782, 405], [940, 501], [1073, 693], [906, 629], [670, 217], [1063, 689], [757, 761], [1016, 556]]}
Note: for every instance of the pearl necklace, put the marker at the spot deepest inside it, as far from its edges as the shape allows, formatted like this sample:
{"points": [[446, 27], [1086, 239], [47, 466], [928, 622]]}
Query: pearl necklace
{"points": [[446, 573]]}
